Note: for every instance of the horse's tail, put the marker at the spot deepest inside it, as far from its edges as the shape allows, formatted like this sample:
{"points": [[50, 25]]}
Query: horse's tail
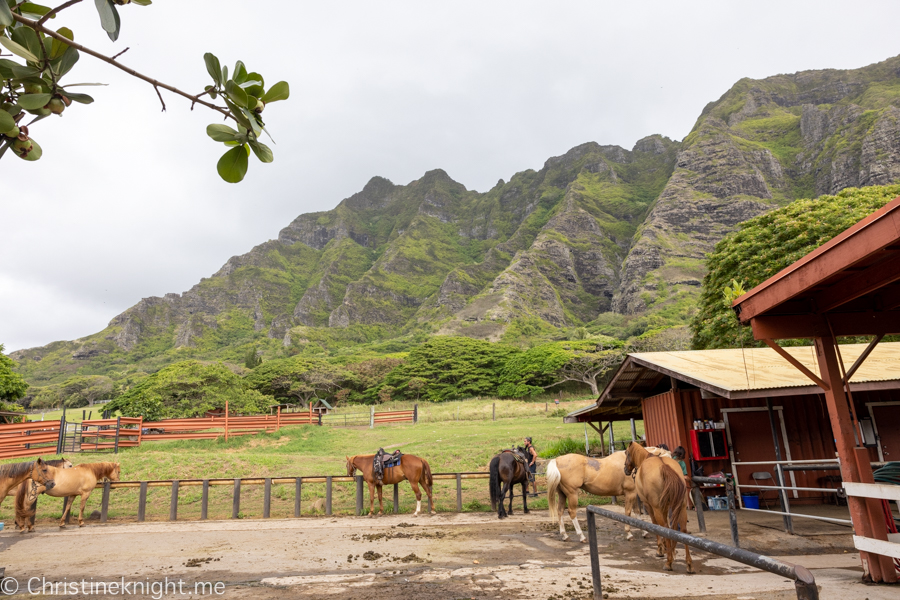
{"points": [[553, 479], [426, 473], [24, 512], [495, 481], [673, 496]]}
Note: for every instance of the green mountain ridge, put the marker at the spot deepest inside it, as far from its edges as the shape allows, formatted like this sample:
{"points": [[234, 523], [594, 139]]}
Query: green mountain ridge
{"points": [[598, 237]]}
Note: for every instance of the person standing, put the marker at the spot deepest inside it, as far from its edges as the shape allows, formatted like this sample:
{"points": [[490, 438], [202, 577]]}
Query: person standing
{"points": [[532, 464], [678, 455]]}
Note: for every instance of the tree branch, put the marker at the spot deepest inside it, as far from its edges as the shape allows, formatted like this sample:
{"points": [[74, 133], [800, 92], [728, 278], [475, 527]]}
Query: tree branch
{"points": [[56, 10], [158, 84]]}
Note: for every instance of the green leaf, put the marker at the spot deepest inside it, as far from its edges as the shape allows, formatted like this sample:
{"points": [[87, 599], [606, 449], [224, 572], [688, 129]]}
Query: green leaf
{"points": [[17, 70], [233, 165], [213, 68], [279, 91], [58, 47], [33, 101], [36, 10], [6, 18], [262, 152], [28, 38], [80, 98], [240, 73], [18, 50], [142, 2], [68, 60], [237, 95], [35, 154], [6, 120], [114, 34], [107, 12], [221, 133]]}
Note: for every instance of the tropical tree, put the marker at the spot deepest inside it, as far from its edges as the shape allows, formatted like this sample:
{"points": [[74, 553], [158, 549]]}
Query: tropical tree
{"points": [[12, 385], [549, 365], [297, 378], [79, 391], [452, 367], [32, 88], [190, 389]]}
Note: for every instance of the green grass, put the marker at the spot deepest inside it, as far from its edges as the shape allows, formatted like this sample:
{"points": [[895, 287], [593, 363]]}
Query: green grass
{"points": [[449, 446]]}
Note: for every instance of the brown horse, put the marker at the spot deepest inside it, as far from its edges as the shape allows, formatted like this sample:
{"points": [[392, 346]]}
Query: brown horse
{"points": [[506, 470], [13, 474], [81, 480], [411, 468], [660, 486], [26, 494], [599, 476]]}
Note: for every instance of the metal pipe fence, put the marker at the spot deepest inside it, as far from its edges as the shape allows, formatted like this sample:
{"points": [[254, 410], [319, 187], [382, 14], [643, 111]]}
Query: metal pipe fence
{"points": [[804, 582]]}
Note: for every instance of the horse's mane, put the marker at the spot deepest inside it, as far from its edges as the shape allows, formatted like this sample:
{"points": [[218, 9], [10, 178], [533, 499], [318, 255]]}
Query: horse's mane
{"points": [[13, 470]]}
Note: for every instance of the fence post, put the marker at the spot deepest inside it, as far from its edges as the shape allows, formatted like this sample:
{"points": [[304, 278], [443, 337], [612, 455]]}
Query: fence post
{"points": [[595, 560], [698, 506], [371, 417], [236, 501], [785, 503], [62, 433], [278, 420], [493, 411], [310, 413], [732, 517], [359, 495], [415, 413], [142, 502], [633, 431], [297, 485], [459, 492], [173, 504], [396, 499], [226, 439], [328, 495], [267, 497], [204, 500], [320, 419], [118, 425], [104, 503]]}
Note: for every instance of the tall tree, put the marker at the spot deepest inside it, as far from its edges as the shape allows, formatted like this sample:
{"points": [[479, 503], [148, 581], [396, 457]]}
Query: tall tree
{"points": [[12, 385], [298, 379]]}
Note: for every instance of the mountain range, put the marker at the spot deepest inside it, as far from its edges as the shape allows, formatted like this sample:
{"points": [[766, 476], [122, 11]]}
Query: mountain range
{"points": [[600, 237]]}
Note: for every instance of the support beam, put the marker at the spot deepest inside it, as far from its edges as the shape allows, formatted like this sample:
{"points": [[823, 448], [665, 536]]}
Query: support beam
{"points": [[862, 357], [783, 327], [797, 364], [859, 284], [867, 514]]}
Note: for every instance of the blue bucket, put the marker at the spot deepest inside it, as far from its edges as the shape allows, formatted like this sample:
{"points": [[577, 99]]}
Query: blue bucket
{"points": [[750, 500]]}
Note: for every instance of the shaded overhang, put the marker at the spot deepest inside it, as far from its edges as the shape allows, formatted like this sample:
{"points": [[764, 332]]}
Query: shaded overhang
{"points": [[849, 286]]}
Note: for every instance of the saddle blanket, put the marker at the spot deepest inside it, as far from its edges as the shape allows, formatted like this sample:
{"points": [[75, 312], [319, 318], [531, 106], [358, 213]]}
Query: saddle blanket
{"points": [[391, 460]]}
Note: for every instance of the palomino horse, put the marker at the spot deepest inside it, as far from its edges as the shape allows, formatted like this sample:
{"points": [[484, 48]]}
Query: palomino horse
{"points": [[598, 476], [660, 486], [26, 497], [507, 469], [81, 480], [13, 474], [411, 468]]}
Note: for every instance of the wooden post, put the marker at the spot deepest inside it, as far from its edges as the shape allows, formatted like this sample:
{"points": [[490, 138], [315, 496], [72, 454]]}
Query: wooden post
{"points": [[633, 431], [297, 488], [415, 413], [226, 439], [587, 448], [328, 495], [612, 439], [267, 497], [493, 411], [310, 413], [359, 495], [459, 492], [104, 503], [396, 499], [371, 417], [236, 501], [204, 500], [118, 426], [779, 474], [173, 505], [142, 502], [278, 420]]}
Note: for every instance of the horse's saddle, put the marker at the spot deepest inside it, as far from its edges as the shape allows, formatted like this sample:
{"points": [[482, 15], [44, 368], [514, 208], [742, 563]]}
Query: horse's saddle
{"points": [[389, 460], [517, 455]]}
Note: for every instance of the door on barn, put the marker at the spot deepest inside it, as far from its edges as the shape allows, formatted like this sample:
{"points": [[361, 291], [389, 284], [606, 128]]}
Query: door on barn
{"points": [[887, 423], [750, 440]]}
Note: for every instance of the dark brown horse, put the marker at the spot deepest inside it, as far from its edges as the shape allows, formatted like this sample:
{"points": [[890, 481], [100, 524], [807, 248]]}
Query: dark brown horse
{"points": [[660, 486], [411, 468], [13, 474], [507, 469], [26, 497]]}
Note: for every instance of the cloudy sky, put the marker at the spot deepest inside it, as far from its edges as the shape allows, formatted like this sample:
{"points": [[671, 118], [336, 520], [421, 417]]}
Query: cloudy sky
{"points": [[126, 202]]}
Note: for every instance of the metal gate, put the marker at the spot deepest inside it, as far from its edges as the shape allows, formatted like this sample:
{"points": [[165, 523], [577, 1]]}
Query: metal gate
{"points": [[70, 438]]}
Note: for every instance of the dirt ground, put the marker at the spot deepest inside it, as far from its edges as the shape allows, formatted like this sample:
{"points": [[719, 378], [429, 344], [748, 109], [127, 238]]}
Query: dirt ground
{"points": [[470, 555]]}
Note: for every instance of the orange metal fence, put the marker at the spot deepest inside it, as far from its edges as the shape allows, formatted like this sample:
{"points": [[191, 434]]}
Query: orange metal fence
{"points": [[28, 439]]}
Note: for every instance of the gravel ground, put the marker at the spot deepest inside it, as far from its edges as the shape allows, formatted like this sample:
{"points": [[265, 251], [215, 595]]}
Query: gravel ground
{"points": [[398, 556]]}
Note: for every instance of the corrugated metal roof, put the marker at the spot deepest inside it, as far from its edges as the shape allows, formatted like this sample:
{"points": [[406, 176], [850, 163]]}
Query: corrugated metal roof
{"points": [[762, 369]]}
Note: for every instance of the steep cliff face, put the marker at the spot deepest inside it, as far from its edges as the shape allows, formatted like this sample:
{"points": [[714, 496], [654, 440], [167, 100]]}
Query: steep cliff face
{"points": [[598, 229], [761, 145]]}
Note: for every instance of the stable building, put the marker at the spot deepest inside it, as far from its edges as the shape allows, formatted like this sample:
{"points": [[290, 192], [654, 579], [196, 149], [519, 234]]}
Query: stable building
{"points": [[734, 406]]}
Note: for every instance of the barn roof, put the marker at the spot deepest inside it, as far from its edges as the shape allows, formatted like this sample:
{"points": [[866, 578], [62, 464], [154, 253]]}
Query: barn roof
{"points": [[733, 373]]}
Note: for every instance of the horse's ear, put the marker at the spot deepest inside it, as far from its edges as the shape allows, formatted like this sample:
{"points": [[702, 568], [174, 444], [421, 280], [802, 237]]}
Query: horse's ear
{"points": [[40, 460]]}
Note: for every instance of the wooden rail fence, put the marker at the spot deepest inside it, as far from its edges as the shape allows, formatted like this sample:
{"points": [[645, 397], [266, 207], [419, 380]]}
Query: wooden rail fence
{"points": [[267, 482]]}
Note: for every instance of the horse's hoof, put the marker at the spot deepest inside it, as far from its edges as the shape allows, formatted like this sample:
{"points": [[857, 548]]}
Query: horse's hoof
{"points": [[565, 538], [434, 512], [668, 567], [690, 570], [629, 536], [526, 511], [658, 555], [645, 535]]}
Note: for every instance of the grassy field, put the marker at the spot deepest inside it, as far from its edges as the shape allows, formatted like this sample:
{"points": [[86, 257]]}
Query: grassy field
{"points": [[449, 446]]}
